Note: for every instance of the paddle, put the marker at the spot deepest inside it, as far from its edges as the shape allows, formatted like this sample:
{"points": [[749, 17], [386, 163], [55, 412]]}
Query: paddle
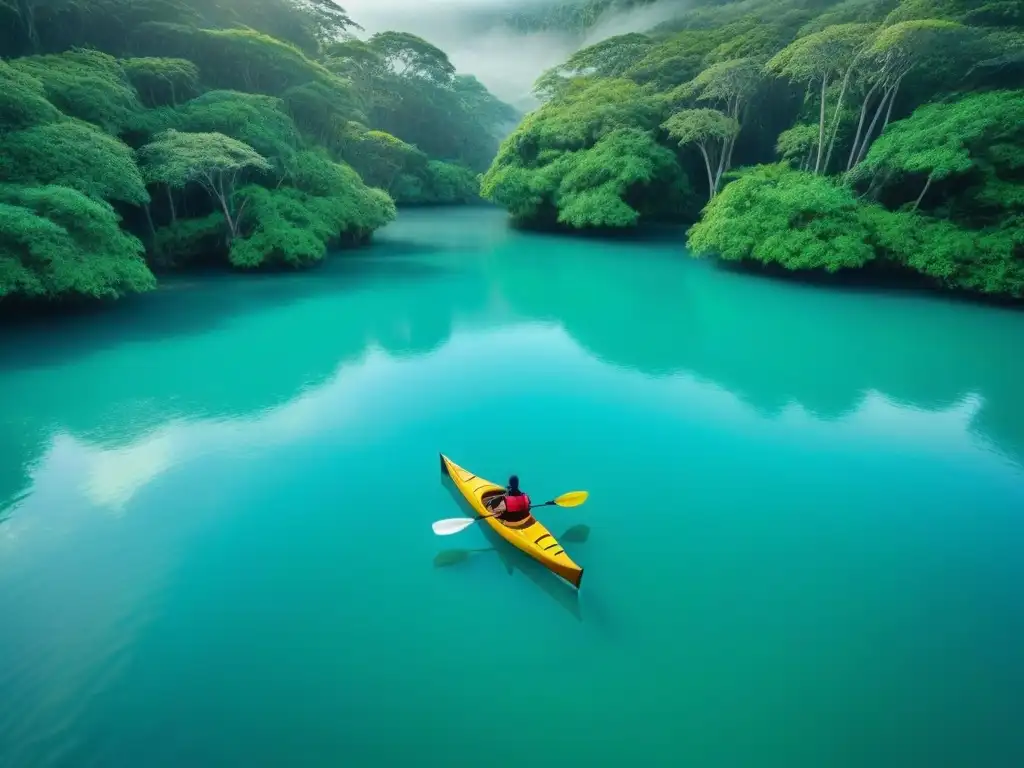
{"points": [[456, 524]]}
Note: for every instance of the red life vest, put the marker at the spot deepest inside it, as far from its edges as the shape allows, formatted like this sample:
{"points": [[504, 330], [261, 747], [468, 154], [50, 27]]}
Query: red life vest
{"points": [[520, 503]]}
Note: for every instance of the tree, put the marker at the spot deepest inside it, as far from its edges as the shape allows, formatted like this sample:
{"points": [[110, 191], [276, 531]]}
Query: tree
{"points": [[86, 84], [711, 132], [942, 140], [212, 160], [321, 112], [329, 20], [162, 81], [74, 154], [380, 157], [56, 242], [409, 55], [482, 108], [255, 119], [613, 57], [324, 204], [731, 85], [775, 214], [30, 14], [894, 53], [798, 144], [597, 182], [833, 52], [23, 101]]}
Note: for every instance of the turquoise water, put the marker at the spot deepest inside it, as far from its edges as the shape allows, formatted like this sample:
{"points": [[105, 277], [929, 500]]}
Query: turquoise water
{"points": [[802, 544]]}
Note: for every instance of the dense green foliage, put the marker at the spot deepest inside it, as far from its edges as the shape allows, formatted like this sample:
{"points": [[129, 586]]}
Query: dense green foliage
{"points": [[592, 162], [143, 134], [57, 241], [882, 132]]}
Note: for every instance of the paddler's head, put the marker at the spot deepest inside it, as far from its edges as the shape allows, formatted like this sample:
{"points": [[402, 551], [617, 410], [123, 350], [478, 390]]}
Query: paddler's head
{"points": [[513, 483]]}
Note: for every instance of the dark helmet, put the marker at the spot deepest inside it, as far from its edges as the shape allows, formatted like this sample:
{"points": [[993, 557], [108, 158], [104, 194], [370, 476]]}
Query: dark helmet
{"points": [[513, 483]]}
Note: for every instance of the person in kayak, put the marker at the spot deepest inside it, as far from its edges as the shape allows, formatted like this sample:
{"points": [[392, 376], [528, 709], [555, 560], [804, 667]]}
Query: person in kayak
{"points": [[513, 505]]}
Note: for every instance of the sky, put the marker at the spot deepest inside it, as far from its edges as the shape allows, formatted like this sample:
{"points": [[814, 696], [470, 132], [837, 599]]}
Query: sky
{"points": [[507, 63]]}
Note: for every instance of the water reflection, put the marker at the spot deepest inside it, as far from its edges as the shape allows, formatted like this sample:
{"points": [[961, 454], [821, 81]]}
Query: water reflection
{"points": [[224, 350], [219, 349], [772, 343]]}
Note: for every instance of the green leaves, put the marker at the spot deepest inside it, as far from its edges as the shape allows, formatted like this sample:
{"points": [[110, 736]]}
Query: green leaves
{"points": [[774, 214], [696, 126], [23, 100], [293, 226], [800, 221], [942, 140], [613, 57], [259, 121], [73, 154], [176, 159], [411, 56], [85, 84], [56, 242], [823, 53], [898, 49], [591, 191], [162, 81]]}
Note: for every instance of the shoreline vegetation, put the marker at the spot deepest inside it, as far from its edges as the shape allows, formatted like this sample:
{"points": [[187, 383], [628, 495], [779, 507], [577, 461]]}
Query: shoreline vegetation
{"points": [[139, 137], [808, 136]]}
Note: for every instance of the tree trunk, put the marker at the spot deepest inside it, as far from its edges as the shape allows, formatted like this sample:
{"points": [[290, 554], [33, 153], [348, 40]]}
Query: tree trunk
{"points": [[834, 131], [924, 191], [152, 228], [170, 200], [860, 126], [721, 163], [728, 158], [707, 166], [878, 181], [821, 124], [892, 100], [28, 18], [216, 189], [874, 121]]}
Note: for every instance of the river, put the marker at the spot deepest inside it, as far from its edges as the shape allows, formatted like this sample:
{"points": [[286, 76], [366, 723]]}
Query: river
{"points": [[802, 545]]}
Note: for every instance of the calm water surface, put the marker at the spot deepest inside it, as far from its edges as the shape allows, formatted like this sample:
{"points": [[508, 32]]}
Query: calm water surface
{"points": [[803, 544]]}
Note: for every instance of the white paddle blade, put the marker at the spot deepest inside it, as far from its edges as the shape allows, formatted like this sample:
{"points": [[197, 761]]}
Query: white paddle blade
{"points": [[453, 525]]}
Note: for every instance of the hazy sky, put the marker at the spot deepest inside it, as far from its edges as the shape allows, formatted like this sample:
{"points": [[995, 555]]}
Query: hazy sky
{"points": [[506, 63]]}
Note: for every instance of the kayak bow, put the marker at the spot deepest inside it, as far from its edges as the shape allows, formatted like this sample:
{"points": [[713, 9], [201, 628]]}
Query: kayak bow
{"points": [[527, 535]]}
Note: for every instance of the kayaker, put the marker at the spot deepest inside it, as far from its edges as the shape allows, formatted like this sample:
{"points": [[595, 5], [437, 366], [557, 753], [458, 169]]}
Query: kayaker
{"points": [[513, 505]]}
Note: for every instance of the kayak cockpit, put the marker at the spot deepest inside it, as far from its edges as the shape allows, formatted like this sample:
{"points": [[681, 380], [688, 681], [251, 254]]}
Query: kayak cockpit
{"points": [[508, 519]]}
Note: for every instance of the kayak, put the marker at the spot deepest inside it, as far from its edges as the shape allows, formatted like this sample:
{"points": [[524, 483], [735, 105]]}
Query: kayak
{"points": [[527, 535]]}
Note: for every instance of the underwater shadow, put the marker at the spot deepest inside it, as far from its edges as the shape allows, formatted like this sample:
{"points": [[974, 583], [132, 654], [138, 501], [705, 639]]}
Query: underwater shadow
{"points": [[512, 559]]}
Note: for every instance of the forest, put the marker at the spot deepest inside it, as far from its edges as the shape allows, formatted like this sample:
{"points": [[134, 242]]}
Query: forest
{"points": [[802, 135], [143, 136]]}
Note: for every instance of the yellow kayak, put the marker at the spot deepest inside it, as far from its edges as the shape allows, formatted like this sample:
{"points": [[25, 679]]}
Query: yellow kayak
{"points": [[528, 535]]}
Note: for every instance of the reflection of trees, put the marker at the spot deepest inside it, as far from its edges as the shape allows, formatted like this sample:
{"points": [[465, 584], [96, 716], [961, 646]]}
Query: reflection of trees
{"points": [[229, 347], [215, 348], [772, 343]]}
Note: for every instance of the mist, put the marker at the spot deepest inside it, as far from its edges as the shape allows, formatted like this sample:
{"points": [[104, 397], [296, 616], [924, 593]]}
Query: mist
{"points": [[472, 34]]}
